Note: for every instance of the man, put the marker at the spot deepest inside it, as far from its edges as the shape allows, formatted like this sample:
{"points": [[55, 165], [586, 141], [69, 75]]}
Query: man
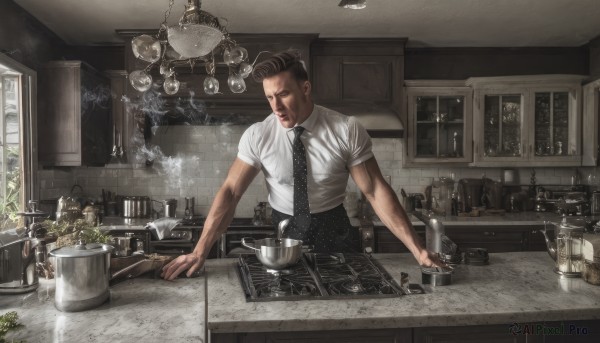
{"points": [[306, 153]]}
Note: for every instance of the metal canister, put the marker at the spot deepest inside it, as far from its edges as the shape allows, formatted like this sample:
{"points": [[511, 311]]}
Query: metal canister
{"points": [[596, 202], [170, 206]]}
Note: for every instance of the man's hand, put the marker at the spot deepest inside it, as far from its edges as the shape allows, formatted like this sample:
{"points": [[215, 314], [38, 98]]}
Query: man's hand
{"points": [[189, 262], [428, 259]]}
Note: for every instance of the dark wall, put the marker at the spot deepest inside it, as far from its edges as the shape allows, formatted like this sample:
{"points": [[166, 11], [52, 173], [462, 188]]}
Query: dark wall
{"points": [[100, 57], [594, 47], [462, 63], [25, 39]]}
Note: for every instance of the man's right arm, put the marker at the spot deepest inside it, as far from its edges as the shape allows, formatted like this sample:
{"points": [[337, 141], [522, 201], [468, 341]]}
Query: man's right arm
{"points": [[218, 219]]}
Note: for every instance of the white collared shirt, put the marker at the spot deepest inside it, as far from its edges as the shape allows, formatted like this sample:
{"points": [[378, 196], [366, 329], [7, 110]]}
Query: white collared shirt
{"points": [[333, 142]]}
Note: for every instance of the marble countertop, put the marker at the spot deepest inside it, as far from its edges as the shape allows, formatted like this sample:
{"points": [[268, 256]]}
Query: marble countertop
{"points": [[515, 287], [508, 219], [144, 310]]}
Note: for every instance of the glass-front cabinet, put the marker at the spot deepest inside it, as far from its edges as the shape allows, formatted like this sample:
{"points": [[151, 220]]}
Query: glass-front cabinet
{"points": [[527, 120], [439, 119]]}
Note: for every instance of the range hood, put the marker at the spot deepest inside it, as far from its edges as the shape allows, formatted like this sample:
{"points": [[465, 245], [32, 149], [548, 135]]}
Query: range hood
{"points": [[380, 121]]}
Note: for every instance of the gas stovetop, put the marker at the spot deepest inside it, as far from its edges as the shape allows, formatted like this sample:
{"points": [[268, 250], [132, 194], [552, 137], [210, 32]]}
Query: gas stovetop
{"points": [[317, 276]]}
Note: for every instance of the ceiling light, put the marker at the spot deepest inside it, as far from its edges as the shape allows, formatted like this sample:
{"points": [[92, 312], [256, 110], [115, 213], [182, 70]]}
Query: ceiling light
{"points": [[353, 4], [196, 39]]}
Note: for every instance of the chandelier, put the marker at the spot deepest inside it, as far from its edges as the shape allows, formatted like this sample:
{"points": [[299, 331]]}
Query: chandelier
{"points": [[196, 39]]}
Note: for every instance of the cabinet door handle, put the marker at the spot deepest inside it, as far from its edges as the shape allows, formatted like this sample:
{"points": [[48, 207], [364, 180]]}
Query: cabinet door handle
{"points": [[489, 233]]}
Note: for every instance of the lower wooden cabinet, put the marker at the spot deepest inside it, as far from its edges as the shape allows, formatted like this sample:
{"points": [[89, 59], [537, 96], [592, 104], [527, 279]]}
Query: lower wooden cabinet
{"points": [[493, 238], [464, 334], [534, 332], [335, 336]]}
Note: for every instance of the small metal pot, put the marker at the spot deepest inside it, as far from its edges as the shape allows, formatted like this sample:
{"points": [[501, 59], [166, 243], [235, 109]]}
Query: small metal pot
{"points": [[436, 276], [122, 246], [137, 207], [275, 253], [82, 273]]}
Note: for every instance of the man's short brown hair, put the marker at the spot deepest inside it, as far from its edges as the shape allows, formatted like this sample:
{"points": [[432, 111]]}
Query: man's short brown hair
{"points": [[288, 60]]}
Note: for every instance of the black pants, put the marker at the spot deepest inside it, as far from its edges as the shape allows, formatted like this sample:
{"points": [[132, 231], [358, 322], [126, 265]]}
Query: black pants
{"points": [[329, 231]]}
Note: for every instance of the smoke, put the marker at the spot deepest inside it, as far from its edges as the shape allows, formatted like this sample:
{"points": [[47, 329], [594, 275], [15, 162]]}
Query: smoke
{"points": [[153, 110], [98, 96]]}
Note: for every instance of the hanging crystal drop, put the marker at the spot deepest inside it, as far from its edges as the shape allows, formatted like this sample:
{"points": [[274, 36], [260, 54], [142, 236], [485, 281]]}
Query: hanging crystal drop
{"points": [[236, 83], [171, 85], [235, 55], [211, 85], [140, 80], [245, 69], [166, 70], [146, 48]]}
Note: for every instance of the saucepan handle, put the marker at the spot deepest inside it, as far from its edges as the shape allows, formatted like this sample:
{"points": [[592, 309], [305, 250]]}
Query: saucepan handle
{"points": [[247, 245]]}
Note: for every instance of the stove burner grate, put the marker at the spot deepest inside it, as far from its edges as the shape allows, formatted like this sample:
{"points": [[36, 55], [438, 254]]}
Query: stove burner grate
{"points": [[322, 276]]}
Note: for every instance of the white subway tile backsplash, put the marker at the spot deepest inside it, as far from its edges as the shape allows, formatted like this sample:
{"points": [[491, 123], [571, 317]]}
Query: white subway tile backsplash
{"points": [[202, 156]]}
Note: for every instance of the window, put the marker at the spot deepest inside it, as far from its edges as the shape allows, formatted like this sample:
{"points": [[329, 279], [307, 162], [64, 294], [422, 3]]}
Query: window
{"points": [[17, 165]]}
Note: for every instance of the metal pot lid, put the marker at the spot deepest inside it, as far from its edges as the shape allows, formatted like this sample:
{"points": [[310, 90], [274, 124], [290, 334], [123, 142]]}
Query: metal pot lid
{"points": [[82, 249]]}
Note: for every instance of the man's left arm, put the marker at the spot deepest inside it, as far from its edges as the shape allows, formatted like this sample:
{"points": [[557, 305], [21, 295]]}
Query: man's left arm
{"points": [[384, 201]]}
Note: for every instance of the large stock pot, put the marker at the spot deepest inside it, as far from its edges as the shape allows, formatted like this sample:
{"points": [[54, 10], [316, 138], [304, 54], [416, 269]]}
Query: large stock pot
{"points": [[82, 275]]}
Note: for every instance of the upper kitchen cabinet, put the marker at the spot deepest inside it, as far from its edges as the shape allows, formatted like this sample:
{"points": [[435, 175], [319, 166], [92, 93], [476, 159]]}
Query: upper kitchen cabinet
{"points": [[252, 102], [527, 120], [439, 122], [362, 78], [74, 115], [591, 124]]}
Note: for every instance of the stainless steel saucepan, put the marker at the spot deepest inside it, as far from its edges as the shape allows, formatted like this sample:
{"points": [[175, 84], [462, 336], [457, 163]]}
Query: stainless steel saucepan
{"points": [[275, 253]]}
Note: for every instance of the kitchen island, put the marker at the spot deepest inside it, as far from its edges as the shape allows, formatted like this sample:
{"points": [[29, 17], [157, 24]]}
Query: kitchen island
{"points": [[139, 310], [481, 304], [514, 288]]}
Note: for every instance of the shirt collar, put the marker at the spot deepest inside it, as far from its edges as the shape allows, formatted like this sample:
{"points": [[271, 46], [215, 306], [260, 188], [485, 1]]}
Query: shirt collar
{"points": [[311, 121]]}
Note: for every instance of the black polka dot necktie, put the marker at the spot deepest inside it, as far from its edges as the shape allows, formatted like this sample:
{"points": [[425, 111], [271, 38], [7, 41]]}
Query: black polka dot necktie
{"points": [[301, 209]]}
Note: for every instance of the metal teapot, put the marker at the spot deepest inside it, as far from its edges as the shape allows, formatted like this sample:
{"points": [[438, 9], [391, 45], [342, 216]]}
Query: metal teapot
{"points": [[565, 249]]}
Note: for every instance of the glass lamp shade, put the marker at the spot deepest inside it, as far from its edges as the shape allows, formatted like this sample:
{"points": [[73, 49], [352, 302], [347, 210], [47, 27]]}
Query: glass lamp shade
{"points": [[140, 80], [146, 48], [194, 40], [211, 85], [236, 83]]}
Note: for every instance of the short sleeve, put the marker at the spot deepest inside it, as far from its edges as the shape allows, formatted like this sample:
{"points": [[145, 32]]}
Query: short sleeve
{"points": [[359, 143], [248, 149]]}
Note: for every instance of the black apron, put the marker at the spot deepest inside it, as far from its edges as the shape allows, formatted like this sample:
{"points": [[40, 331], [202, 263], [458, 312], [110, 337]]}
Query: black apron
{"points": [[329, 231]]}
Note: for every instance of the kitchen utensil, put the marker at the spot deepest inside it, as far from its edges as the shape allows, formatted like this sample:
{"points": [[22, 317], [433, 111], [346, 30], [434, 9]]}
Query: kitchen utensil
{"points": [[566, 248], [281, 227], [18, 262], [137, 207], [169, 206], [82, 273], [189, 206], [275, 253], [476, 256], [436, 276]]}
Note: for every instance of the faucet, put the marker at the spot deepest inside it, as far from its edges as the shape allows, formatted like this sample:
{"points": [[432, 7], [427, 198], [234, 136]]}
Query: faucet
{"points": [[434, 231]]}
